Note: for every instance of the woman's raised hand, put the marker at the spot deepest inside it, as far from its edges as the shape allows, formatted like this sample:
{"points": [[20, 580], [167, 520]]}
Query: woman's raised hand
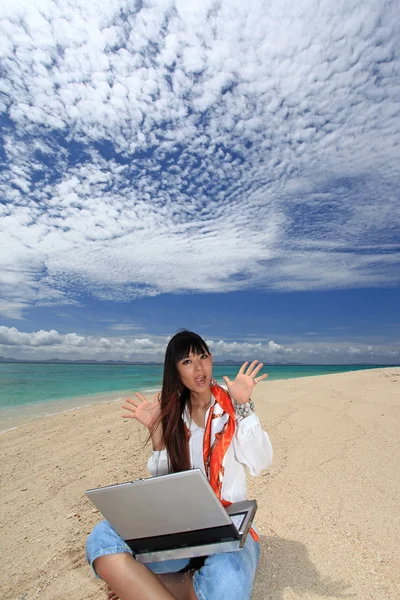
{"points": [[142, 410], [240, 389]]}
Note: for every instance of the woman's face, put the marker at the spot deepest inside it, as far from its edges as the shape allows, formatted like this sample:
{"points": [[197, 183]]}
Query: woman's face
{"points": [[195, 371]]}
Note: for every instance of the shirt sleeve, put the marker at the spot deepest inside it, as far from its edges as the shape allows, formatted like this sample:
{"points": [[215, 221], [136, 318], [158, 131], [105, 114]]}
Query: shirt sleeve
{"points": [[158, 463], [252, 445]]}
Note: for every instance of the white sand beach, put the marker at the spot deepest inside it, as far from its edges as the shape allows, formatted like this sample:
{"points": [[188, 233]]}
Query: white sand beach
{"points": [[328, 508]]}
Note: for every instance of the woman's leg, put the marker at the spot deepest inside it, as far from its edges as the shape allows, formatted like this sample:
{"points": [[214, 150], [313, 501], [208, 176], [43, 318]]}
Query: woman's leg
{"points": [[131, 580], [112, 560], [228, 576]]}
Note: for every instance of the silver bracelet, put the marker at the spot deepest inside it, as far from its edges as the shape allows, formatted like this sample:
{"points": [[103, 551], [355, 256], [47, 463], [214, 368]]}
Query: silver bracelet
{"points": [[244, 410]]}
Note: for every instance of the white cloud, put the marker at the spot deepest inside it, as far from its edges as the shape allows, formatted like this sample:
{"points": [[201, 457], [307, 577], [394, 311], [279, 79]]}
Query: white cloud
{"points": [[10, 336], [182, 147], [13, 310], [124, 327], [51, 344], [72, 339], [273, 347], [353, 350]]}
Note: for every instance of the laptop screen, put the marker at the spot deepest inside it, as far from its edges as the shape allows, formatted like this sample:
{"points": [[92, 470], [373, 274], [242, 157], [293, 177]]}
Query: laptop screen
{"points": [[238, 519], [162, 505]]}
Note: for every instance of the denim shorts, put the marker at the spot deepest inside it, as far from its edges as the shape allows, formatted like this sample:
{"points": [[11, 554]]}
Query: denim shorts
{"points": [[226, 576]]}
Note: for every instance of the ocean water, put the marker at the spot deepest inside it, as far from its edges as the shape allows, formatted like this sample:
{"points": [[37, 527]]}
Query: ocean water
{"points": [[29, 390]]}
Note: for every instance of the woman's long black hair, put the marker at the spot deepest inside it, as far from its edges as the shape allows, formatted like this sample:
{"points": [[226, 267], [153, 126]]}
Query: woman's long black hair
{"points": [[174, 397]]}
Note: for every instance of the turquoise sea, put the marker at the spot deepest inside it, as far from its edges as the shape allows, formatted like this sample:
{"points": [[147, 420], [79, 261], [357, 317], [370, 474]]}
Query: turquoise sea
{"points": [[28, 390]]}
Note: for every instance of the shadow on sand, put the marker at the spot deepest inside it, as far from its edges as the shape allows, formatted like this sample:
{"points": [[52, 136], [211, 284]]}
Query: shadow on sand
{"points": [[286, 564]]}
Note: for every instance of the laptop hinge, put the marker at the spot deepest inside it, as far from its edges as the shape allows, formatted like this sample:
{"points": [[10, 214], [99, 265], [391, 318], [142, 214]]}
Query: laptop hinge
{"points": [[198, 537]]}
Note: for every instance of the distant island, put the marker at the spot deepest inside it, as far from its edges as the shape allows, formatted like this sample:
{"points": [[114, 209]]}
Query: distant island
{"points": [[224, 363], [64, 361]]}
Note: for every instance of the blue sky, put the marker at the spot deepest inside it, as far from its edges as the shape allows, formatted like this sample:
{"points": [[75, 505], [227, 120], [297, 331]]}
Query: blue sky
{"points": [[229, 168]]}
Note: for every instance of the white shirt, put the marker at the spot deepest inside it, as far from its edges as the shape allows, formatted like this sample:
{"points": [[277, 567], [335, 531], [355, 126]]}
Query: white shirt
{"points": [[250, 447]]}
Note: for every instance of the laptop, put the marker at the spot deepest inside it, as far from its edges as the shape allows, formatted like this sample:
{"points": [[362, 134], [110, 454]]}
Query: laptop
{"points": [[174, 516]]}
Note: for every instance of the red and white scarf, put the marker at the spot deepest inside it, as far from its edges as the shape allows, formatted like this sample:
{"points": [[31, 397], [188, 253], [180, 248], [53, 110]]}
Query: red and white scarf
{"points": [[218, 435]]}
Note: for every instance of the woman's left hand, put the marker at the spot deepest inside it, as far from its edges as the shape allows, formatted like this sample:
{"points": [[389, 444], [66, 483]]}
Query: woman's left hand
{"points": [[240, 389]]}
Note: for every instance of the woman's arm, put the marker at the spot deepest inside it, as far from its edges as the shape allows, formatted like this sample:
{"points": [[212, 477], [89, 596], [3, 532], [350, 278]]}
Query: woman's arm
{"points": [[156, 436], [158, 463], [252, 446], [148, 414]]}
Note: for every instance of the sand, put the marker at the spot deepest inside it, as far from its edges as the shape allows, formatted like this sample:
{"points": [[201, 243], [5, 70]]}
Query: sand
{"points": [[329, 508]]}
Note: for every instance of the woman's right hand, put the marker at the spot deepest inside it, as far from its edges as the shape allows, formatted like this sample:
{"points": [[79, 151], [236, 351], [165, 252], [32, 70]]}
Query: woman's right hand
{"points": [[142, 410]]}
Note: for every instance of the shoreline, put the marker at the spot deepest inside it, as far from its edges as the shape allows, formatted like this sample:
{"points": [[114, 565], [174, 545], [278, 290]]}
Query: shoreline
{"points": [[12, 418], [51, 408]]}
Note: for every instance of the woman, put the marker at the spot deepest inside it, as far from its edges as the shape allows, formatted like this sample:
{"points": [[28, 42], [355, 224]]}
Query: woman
{"points": [[194, 423]]}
